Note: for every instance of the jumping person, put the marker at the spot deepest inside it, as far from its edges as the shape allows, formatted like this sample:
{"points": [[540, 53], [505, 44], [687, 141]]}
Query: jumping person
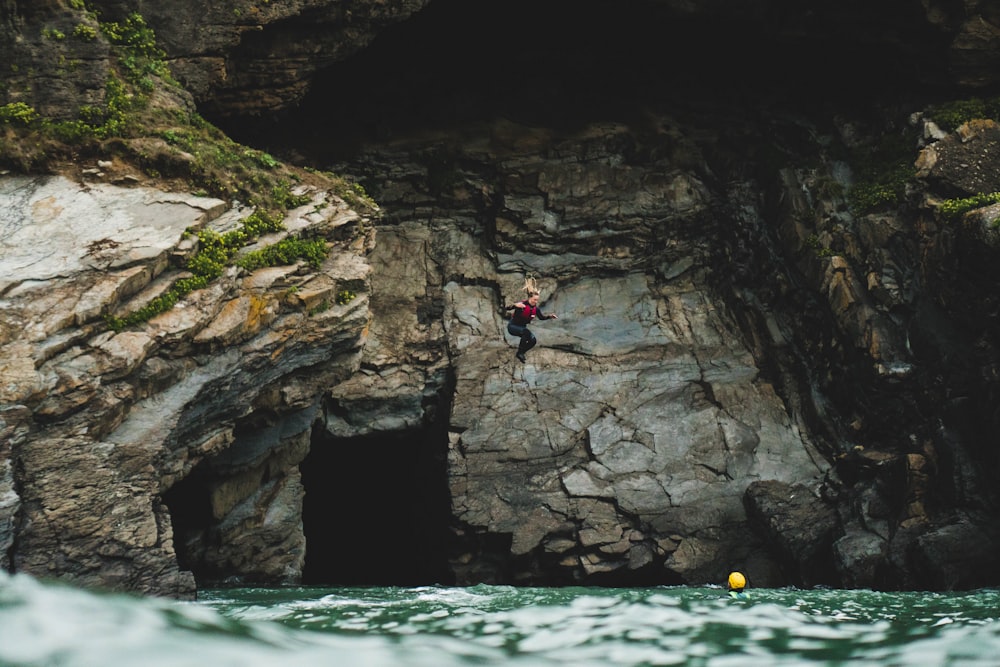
{"points": [[522, 313]]}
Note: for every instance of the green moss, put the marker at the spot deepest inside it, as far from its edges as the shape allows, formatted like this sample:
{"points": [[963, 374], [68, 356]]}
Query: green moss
{"points": [[85, 32], [282, 196], [954, 209], [160, 304], [286, 251], [319, 308], [351, 192], [138, 55], [264, 159], [19, 113], [215, 253], [262, 221], [821, 251], [872, 196], [883, 172], [166, 141], [950, 116], [355, 195]]}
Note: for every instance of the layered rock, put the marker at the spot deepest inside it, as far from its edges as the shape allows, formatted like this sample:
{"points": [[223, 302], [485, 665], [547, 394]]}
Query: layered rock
{"points": [[243, 58], [622, 449], [100, 425], [699, 401]]}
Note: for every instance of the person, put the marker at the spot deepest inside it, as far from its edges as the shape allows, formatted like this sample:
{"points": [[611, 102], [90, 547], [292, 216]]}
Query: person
{"points": [[522, 313], [737, 584]]}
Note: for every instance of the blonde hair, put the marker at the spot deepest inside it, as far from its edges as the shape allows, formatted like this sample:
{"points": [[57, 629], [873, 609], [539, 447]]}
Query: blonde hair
{"points": [[530, 286]]}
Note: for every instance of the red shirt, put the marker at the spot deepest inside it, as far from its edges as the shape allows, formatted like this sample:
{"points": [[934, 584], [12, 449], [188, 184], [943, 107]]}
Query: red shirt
{"points": [[524, 315]]}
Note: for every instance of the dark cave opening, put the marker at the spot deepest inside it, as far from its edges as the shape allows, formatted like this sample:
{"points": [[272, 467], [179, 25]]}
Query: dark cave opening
{"points": [[190, 506], [376, 510]]}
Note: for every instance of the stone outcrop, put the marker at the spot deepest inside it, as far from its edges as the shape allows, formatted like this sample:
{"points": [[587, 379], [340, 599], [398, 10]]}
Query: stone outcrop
{"points": [[98, 426], [626, 442], [243, 58], [252, 57], [799, 524], [624, 446]]}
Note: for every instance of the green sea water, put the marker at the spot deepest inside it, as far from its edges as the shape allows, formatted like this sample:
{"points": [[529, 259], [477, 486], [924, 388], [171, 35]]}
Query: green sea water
{"points": [[53, 624]]}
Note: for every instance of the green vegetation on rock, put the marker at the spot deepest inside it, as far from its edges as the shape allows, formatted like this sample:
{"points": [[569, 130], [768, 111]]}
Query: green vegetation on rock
{"points": [[286, 251], [17, 113], [950, 116], [954, 209], [146, 120], [882, 170]]}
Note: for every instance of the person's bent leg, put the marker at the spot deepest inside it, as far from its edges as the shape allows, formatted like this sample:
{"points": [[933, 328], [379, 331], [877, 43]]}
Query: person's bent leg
{"points": [[520, 331], [528, 340]]}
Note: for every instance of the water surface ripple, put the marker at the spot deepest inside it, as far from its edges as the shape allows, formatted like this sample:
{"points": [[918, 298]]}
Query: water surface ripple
{"points": [[50, 624]]}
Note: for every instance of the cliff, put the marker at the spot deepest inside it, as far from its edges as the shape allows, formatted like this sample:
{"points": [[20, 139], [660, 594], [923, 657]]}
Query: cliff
{"points": [[773, 353]]}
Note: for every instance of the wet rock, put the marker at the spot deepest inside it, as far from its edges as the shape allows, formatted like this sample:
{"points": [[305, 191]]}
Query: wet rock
{"points": [[799, 525]]}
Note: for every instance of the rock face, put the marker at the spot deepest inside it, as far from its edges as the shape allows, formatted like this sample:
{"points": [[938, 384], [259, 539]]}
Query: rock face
{"points": [[241, 58], [697, 402], [99, 426], [252, 58], [622, 448], [745, 373]]}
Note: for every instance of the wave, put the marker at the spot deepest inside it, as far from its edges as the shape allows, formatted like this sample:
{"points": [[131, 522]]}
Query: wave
{"points": [[53, 624]]}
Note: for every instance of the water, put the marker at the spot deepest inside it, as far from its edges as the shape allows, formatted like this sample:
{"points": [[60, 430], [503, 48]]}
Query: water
{"points": [[51, 624]]}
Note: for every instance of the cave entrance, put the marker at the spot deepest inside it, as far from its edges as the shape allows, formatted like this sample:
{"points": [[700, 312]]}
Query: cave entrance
{"points": [[376, 509], [189, 503]]}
